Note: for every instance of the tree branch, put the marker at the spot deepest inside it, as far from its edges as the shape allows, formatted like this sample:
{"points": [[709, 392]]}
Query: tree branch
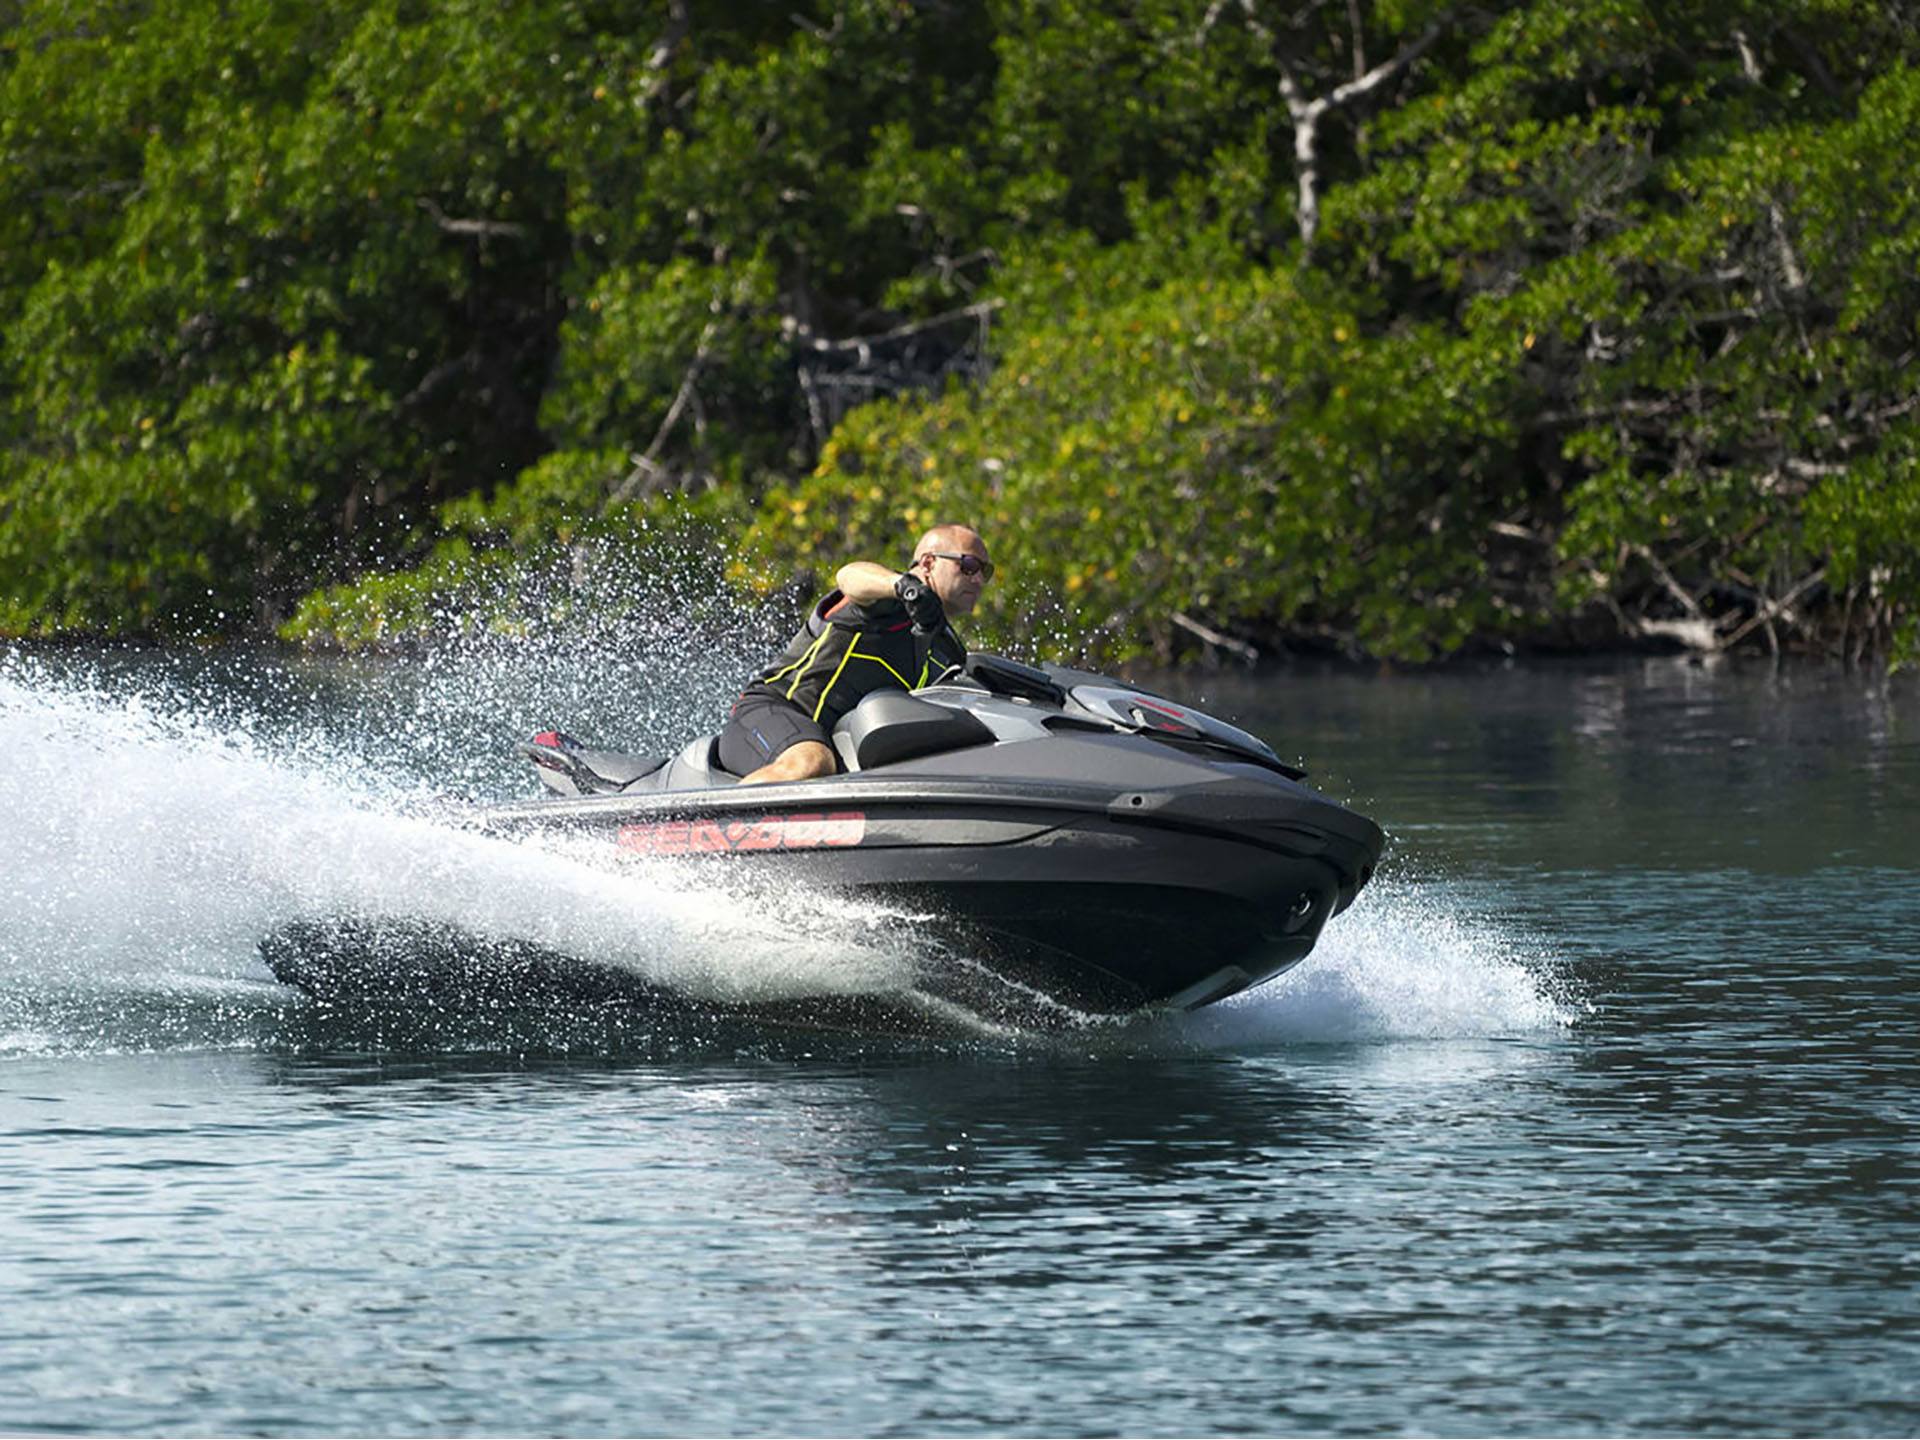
{"points": [[646, 466], [679, 20], [1673, 586], [1307, 114], [861, 344], [452, 226], [1213, 637], [1776, 217], [437, 377], [1774, 610], [1625, 410]]}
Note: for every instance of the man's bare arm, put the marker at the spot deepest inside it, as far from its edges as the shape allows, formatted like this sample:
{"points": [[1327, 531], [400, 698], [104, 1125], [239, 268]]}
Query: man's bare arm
{"points": [[863, 582]]}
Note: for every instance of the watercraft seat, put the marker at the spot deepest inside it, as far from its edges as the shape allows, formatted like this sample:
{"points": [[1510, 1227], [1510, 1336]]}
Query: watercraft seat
{"points": [[571, 768], [696, 767], [619, 769], [703, 755], [888, 727]]}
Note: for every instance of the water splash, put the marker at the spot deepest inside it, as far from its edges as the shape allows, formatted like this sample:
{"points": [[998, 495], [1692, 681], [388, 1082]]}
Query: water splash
{"points": [[162, 811], [1409, 961], [147, 845]]}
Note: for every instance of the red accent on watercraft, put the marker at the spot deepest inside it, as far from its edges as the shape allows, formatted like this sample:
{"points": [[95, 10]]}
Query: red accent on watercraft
{"points": [[771, 832]]}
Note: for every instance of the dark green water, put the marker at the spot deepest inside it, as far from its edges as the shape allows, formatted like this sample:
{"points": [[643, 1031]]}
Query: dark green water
{"points": [[1594, 1116]]}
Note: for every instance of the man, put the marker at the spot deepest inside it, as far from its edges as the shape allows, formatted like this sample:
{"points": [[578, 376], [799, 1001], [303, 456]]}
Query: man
{"points": [[878, 629]]}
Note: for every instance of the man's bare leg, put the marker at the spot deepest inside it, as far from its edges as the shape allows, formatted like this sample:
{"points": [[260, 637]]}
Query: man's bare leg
{"points": [[803, 760]]}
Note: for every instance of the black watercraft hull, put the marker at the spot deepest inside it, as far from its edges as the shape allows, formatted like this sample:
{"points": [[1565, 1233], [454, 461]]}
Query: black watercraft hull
{"points": [[1087, 868], [1105, 901]]}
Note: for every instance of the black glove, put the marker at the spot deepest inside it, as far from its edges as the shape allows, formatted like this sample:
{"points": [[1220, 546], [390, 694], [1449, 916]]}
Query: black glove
{"points": [[923, 606]]}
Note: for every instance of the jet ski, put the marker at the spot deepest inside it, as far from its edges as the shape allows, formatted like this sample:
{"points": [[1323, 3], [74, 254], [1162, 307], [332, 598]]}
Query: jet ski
{"points": [[1063, 841]]}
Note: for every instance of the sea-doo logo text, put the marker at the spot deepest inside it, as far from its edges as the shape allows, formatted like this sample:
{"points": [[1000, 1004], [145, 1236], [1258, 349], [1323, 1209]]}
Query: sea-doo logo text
{"points": [[775, 832]]}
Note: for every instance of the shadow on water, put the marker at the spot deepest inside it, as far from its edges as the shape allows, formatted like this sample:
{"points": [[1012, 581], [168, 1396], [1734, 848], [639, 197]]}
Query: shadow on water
{"points": [[367, 1043], [886, 1114]]}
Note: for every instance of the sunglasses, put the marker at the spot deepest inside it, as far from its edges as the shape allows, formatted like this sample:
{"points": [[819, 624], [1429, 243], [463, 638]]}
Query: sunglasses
{"points": [[969, 564]]}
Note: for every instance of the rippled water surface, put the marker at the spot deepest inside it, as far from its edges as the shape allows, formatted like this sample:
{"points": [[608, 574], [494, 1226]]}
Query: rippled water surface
{"points": [[1594, 1116]]}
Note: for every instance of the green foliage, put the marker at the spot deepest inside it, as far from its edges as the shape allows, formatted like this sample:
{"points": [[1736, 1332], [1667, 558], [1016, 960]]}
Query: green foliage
{"points": [[1589, 313], [217, 378], [1224, 444]]}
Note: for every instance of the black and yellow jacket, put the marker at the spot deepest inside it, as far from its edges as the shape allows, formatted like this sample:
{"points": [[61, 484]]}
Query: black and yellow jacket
{"points": [[846, 651]]}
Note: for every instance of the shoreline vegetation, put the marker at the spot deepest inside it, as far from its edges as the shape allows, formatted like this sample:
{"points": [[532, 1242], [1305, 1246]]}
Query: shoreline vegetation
{"points": [[1396, 329]]}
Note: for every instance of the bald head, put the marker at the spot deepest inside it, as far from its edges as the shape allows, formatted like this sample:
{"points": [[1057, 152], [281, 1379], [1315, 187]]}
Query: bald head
{"points": [[963, 538], [936, 559]]}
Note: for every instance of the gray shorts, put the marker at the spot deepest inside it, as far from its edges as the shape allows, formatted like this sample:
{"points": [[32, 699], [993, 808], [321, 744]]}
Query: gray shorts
{"points": [[760, 729]]}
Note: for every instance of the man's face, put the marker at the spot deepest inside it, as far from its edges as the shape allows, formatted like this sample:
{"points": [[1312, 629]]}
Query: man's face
{"points": [[959, 592]]}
